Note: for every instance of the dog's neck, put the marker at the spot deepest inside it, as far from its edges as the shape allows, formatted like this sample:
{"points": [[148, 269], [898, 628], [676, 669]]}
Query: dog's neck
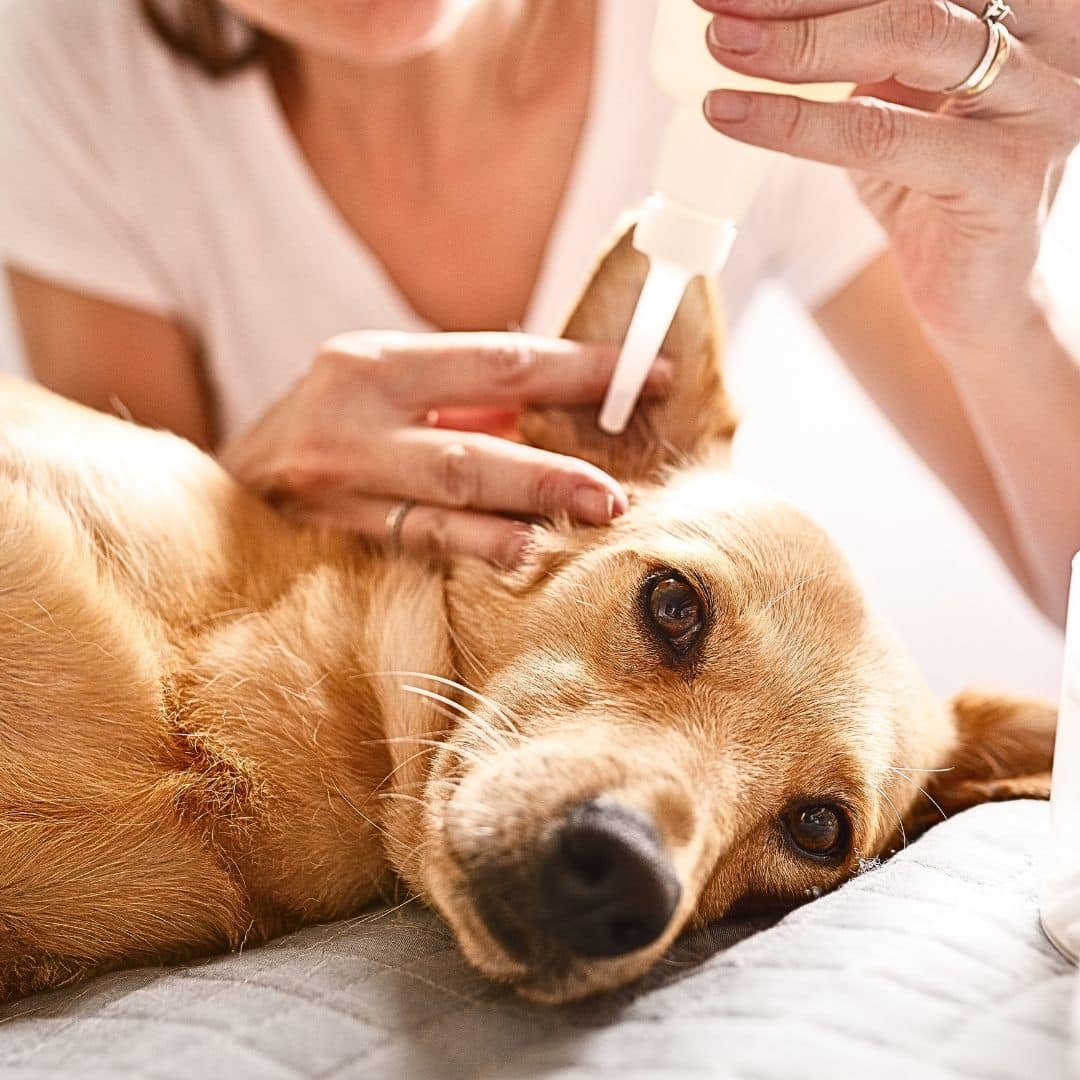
{"points": [[337, 642]]}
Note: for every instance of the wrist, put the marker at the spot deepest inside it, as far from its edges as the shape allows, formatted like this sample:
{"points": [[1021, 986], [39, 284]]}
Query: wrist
{"points": [[1005, 336]]}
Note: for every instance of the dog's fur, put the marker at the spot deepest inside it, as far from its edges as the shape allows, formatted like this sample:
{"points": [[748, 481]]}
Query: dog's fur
{"points": [[205, 738]]}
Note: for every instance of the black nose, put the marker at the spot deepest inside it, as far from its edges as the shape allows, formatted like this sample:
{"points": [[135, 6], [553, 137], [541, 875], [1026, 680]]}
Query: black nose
{"points": [[606, 886]]}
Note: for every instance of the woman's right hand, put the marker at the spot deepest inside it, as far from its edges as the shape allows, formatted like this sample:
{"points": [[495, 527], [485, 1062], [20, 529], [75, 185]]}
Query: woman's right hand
{"points": [[382, 417]]}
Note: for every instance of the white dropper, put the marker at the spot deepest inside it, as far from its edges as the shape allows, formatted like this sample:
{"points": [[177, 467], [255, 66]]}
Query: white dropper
{"points": [[653, 316], [704, 184], [680, 243]]}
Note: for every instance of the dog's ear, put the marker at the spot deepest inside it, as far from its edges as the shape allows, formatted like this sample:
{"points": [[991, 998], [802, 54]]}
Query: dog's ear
{"points": [[1004, 750], [693, 418]]}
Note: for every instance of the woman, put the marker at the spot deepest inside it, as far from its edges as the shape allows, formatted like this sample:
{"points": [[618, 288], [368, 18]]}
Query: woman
{"points": [[195, 195]]}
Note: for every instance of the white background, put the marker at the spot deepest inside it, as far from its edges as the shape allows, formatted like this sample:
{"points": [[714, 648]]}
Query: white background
{"points": [[808, 430]]}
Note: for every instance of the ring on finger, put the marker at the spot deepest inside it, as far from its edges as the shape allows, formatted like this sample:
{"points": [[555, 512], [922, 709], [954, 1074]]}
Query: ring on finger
{"points": [[395, 520], [998, 47]]}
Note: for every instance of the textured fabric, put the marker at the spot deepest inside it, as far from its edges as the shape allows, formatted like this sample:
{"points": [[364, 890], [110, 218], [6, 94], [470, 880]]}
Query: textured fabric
{"points": [[931, 966], [126, 174]]}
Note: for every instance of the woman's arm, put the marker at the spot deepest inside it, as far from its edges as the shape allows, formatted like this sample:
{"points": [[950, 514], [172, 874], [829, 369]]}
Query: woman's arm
{"points": [[111, 357], [1000, 425]]}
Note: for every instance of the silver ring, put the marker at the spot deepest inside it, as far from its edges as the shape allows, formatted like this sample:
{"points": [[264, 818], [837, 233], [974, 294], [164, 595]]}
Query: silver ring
{"points": [[998, 47], [395, 519]]}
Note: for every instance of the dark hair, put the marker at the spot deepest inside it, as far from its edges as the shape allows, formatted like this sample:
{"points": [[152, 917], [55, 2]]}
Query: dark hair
{"points": [[205, 33]]}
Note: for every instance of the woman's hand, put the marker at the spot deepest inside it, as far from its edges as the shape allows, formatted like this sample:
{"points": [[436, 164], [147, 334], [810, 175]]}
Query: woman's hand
{"points": [[386, 417], [961, 185]]}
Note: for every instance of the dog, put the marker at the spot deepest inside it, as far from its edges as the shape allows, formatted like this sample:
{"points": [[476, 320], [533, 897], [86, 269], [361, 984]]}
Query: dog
{"points": [[218, 724]]}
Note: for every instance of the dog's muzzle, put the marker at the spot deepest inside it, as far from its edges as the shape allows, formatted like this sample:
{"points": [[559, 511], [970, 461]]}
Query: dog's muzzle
{"points": [[602, 886]]}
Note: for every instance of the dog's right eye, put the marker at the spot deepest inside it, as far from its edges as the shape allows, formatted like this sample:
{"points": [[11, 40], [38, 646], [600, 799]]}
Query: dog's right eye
{"points": [[675, 610], [818, 830]]}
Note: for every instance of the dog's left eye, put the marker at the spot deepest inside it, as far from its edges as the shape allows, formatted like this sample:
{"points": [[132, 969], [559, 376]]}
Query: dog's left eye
{"points": [[676, 610]]}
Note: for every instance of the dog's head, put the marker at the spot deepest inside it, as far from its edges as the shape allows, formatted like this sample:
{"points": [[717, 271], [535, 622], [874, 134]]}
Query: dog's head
{"points": [[683, 714]]}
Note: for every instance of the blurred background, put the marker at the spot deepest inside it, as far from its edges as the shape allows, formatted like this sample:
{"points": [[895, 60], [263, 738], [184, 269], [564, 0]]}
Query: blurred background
{"points": [[809, 431]]}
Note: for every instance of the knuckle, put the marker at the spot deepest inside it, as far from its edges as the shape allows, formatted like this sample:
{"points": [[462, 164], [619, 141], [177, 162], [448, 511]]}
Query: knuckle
{"points": [[457, 474], [302, 469], [549, 491], [326, 372], [433, 533], [513, 361], [803, 45], [779, 9], [919, 25], [791, 117], [874, 132], [334, 371]]}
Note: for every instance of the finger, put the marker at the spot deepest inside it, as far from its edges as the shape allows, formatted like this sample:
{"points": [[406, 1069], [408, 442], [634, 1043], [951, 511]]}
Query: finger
{"points": [[925, 45], [780, 9], [482, 472], [1029, 17], [936, 154], [428, 531], [504, 370], [1049, 27]]}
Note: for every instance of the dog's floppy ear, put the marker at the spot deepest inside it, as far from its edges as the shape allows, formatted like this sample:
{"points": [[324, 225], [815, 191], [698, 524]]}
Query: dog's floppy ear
{"points": [[1004, 750], [693, 417]]}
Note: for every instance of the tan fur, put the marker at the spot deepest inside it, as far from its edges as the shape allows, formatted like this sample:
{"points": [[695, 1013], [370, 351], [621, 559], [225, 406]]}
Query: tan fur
{"points": [[206, 740]]}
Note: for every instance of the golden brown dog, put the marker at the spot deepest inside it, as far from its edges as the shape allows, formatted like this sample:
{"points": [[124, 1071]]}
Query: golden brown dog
{"points": [[206, 735]]}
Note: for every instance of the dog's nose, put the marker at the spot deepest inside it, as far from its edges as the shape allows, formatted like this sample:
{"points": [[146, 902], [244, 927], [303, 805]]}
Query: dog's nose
{"points": [[606, 886]]}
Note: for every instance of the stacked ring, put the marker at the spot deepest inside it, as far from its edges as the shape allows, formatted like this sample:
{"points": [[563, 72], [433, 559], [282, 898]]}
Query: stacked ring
{"points": [[395, 519], [998, 48]]}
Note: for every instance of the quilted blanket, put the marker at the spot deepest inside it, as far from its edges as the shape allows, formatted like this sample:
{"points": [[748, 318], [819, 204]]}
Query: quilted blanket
{"points": [[931, 966]]}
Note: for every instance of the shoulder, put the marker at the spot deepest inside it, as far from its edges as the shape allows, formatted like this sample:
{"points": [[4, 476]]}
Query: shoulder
{"points": [[63, 39], [88, 81], [58, 67], [90, 58]]}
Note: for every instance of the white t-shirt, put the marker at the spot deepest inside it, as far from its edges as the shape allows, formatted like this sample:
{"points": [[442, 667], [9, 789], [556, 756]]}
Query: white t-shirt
{"points": [[127, 174]]}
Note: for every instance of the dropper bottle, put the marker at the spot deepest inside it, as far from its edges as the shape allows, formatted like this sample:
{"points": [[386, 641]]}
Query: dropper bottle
{"points": [[703, 185]]}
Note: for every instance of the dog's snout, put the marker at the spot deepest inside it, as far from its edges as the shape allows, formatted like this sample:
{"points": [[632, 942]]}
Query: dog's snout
{"points": [[606, 886]]}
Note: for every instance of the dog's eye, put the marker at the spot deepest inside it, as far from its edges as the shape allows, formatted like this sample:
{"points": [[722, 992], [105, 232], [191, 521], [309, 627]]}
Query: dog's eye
{"points": [[676, 610], [818, 830]]}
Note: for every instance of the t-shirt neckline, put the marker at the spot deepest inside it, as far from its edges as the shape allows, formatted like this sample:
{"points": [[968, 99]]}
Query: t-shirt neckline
{"points": [[342, 246]]}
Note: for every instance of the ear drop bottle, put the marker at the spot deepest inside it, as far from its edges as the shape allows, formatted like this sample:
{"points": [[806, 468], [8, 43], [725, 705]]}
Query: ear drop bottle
{"points": [[703, 184], [1060, 893]]}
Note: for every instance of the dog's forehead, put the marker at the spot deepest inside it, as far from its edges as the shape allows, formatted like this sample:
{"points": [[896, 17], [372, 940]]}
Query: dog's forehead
{"points": [[707, 490], [720, 523]]}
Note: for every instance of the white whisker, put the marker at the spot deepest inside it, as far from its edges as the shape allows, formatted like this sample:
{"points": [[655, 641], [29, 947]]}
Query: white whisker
{"points": [[454, 684], [907, 779], [798, 585], [480, 727], [901, 768], [899, 818]]}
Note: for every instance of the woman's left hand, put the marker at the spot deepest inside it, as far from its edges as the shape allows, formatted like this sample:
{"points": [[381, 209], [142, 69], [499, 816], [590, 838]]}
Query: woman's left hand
{"points": [[961, 185]]}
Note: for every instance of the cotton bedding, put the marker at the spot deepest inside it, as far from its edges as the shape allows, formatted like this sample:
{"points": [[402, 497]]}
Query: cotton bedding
{"points": [[931, 966]]}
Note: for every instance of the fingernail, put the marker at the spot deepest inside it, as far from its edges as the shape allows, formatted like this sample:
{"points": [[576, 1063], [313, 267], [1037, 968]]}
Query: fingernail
{"points": [[513, 553], [594, 507], [726, 106], [735, 35]]}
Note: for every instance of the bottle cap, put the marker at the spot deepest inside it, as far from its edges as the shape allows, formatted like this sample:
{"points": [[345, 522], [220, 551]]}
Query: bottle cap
{"points": [[671, 232]]}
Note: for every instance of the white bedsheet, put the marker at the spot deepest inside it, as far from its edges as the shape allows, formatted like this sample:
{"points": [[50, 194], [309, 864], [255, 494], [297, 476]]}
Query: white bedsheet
{"points": [[932, 967]]}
